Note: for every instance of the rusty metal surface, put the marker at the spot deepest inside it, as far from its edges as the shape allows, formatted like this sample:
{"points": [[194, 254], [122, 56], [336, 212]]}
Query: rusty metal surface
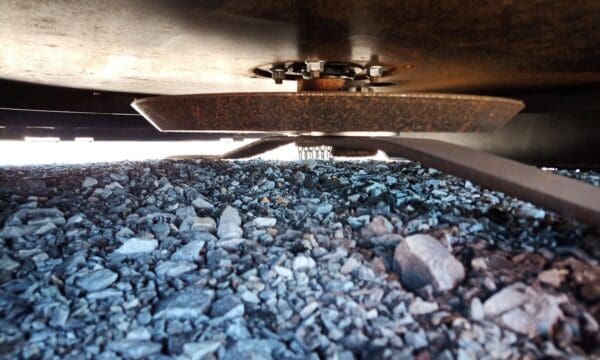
{"points": [[321, 84], [570, 198], [327, 112], [187, 47]]}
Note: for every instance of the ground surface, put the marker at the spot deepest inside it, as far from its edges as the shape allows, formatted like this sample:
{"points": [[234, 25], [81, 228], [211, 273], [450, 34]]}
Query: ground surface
{"points": [[144, 260]]}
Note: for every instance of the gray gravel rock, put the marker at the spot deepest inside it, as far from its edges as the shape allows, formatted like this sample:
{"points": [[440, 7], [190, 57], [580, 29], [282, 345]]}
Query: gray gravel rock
{"points": [[97, 280], [262, 222], [200, 203], [191, 302], [230, 224], [189, 252], [308, 276], [422, 260], [303, 263], [174, 268], [200, 224], [8, 264], [198, 350], [224, 305], [135, 349], [89, 182], [137, 246], [379, 226]]}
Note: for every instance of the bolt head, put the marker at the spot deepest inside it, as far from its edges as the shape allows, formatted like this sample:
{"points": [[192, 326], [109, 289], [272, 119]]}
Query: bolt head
{"points": [[315, 65], [278, 75], [375, 71]]}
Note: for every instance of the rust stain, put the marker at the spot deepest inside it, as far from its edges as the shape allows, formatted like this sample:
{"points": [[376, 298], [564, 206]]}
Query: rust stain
{"points": [[328, 112]]}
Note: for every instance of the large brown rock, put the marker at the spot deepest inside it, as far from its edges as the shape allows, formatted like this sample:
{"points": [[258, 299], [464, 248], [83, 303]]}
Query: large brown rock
{"points": [[421, 260]]}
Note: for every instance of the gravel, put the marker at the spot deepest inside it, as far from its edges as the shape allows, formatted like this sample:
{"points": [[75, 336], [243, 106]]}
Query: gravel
{"points": [[255, 259]]}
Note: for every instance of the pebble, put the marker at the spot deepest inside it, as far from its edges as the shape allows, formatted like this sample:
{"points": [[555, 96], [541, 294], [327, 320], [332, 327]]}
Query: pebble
{"points": [[199, 224], [303, 263], [200, 203], [324, 209], [97, 280], [379, 226], [262, 222], [89, 182], [174, 268], [283, 271], [230, 224], [198, 350], [553, 277], [134, 349], [309, 309], [230, 215], [422, 260], [137, 246], [420, 307], [189, 252], [188, 303]]}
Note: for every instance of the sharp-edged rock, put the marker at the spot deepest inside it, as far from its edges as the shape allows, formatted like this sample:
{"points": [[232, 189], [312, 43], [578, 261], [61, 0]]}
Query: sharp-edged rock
{"points": [[97, 280], [189, 303], [422, 260]]}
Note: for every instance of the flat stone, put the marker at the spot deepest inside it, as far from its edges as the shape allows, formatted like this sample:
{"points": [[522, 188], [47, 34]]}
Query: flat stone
{"points": [[174, 268], [139, 334], [262, 222], [119, 177], [420, 307], [200, 224], [250, 349], [103, 294], [422, 260], [137, 246], [283, 271], [231, 244], [135, 349], [45, 229], [200, 203], [191, 302], [198, 350], [308, 309], [189, 252], [96, 280]]}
